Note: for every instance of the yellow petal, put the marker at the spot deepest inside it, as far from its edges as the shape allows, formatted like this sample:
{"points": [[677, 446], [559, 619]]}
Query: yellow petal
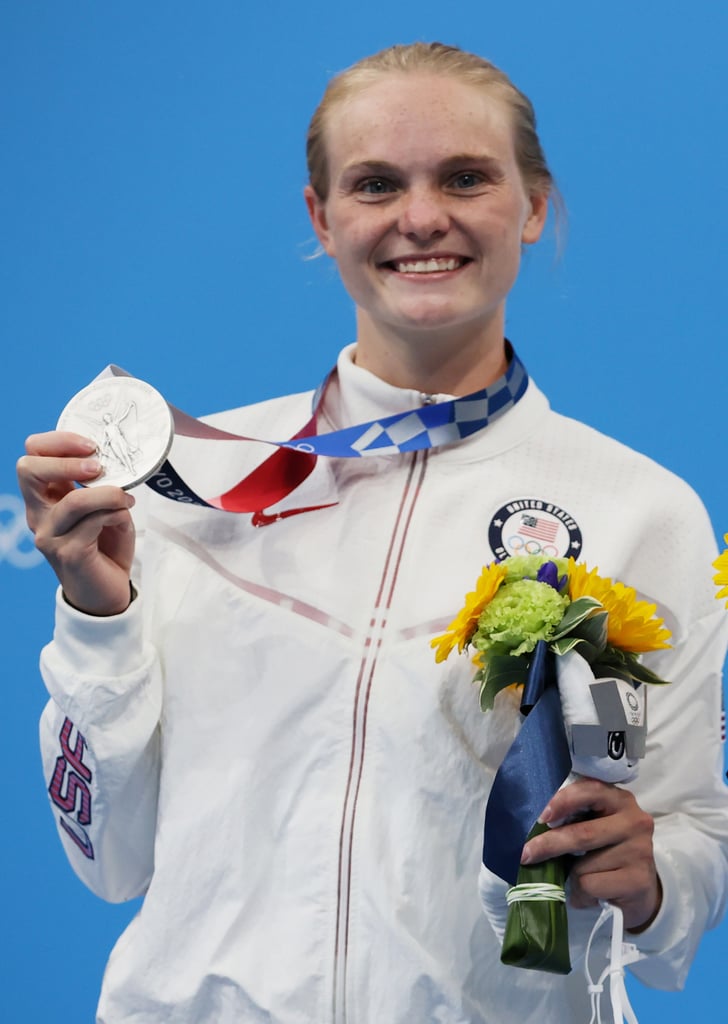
{"points": [[721, 577], [632, 624], [464, 624]]}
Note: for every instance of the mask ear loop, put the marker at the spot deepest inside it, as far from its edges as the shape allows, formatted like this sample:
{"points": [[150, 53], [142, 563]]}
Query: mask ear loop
{"points": [[620, 954]]}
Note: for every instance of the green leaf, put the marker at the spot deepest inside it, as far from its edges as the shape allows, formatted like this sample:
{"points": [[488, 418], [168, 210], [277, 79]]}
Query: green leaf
{"points": [[625, 665], [577, 611], [565, 644], [603, 670], [643, 674], [588, 651], [501, 671], [479, 676], [537, 933], [593, 630]]}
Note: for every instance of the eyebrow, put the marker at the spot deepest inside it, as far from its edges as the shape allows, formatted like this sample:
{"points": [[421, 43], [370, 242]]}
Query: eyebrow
{"points": [[473, 159], [376, 166], [369, 167]]}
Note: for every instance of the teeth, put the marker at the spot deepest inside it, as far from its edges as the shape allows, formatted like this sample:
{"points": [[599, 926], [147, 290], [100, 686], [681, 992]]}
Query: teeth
{"points": [[427, 266]]}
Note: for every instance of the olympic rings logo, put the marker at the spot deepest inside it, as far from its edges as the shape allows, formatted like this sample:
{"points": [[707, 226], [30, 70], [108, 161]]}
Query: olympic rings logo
{"points": [[16, 540], [530, 546]]}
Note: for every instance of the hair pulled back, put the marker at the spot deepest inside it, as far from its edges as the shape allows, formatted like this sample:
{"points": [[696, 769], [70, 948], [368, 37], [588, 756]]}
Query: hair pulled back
{"points": [[436, 58]]}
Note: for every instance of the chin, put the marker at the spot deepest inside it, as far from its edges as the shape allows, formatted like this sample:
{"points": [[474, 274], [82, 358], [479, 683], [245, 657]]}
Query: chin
{"points": [[440, 318], [433, 311]]}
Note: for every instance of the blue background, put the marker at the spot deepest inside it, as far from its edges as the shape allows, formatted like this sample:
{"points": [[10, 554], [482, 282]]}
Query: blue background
{"points": [[152, 216]]}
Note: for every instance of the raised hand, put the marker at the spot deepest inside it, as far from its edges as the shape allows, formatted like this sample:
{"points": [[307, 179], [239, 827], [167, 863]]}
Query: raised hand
{"points": [[85, 533]]}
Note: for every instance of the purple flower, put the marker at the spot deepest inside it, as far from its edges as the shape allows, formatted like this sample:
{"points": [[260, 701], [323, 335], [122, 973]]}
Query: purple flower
{"points": [[548, 573]]}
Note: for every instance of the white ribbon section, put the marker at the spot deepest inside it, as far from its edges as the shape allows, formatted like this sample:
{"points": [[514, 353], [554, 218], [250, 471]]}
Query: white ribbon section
{"points": [[535, 892], [620, 954], [492, 890]]}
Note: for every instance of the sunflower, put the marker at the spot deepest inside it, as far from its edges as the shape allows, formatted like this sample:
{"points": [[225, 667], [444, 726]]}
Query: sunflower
{"points": [[631, 624], [721, 577], [464, 624]]}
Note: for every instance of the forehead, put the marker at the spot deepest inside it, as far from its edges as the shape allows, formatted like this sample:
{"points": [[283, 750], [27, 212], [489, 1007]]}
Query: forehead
{"points": [[407, 117]]}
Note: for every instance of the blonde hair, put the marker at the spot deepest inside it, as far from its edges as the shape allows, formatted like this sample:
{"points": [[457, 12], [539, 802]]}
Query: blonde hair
{"points": [[436, 58]]}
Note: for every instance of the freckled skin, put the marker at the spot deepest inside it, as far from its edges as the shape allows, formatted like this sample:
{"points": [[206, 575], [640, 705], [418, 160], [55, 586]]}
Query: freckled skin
{"points": [[423, 165]]}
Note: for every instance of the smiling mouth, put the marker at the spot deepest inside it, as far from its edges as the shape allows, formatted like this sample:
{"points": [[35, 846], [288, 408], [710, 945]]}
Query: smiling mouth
{"points": [[434, 265]]}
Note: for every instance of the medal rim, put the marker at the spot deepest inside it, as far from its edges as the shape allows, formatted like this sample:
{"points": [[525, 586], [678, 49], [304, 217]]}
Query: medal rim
{"points": [[120, 382]]}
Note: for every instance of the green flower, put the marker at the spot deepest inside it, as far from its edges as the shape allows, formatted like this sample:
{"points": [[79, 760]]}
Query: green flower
{"points": [[520, 567], [519, 615]]}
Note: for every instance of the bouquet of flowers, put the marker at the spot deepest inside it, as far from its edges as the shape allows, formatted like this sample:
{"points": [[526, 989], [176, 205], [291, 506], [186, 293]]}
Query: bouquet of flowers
{"points": [[552, 624]]}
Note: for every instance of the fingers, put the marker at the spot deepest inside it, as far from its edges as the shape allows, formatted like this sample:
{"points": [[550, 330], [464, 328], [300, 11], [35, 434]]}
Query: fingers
{"points": [[84, 511], [58, 456], [581, 798], [610, 837], [91, 548], [73, 526], [52, 464], [59, 442], [86, 534], [589, 815], [628, 879]]}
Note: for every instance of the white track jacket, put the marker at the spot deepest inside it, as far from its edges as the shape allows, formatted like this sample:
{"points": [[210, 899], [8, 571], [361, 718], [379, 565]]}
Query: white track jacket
{"points": [[264, 746]]}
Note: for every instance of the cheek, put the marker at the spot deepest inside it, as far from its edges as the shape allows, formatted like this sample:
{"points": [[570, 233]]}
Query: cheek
{"points": [[512, 218], [506, 246], [512, 230], [352, 245]]}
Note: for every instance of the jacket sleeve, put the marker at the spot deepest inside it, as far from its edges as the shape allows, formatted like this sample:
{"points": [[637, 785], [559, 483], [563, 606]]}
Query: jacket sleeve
{"points": [[681, 785], [100, 746], [681, 777]]}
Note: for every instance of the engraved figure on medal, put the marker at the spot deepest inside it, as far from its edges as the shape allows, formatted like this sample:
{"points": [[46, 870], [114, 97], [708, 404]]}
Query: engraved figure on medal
{"points": [[116, 444], [131, 424]]}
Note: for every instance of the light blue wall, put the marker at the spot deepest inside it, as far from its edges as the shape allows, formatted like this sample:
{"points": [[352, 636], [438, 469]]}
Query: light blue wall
{"points": [[151, 215]]}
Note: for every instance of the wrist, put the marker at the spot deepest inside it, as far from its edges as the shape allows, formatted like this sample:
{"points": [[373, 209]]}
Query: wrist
{"points": [[100, 614], [638, 929]]}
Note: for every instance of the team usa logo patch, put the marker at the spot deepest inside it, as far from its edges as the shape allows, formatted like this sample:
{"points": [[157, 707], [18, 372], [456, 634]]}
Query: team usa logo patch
{"points": [[70, 788], [532, 526]]}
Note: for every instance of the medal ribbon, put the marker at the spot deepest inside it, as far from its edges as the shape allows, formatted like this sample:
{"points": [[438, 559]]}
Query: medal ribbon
{"points": [[283, 471]]}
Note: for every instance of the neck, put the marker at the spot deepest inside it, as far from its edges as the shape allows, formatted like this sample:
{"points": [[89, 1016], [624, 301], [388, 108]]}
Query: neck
{"points": [[458, 361]]}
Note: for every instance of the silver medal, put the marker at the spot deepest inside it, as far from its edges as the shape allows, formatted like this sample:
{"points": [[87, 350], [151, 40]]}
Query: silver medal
{"points": [[129, 421]]}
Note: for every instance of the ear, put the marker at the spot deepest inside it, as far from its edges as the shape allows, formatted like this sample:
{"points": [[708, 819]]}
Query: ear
{"points": [[316, 207], [536, 219]]}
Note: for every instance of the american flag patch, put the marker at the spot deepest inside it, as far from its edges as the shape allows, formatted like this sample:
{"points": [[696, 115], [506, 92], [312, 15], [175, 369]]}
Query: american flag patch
{"points": [[540, 529], [533, 526]]}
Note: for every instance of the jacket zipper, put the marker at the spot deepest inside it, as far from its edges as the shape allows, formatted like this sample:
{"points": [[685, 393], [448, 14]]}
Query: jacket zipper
{"points": [[365, 679]]}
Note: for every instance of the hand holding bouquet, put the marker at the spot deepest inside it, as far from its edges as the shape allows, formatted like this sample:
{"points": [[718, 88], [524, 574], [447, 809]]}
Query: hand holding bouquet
{"points": [[572, 640]]}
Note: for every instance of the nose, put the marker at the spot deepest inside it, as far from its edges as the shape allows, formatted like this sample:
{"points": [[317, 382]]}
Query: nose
{"points": [[424, 215]]}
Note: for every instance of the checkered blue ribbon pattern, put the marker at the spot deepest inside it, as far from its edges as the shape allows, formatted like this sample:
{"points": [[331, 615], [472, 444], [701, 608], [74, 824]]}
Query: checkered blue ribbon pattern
{"points": [[428, 427], [281, 473]]}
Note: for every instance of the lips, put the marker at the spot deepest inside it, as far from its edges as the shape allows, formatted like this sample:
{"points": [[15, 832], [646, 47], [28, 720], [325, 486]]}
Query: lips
{"points": [[428, 265]]}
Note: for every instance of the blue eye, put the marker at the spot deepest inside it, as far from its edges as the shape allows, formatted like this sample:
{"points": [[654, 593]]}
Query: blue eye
{"points": [[468, 179], [376, 186]]}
